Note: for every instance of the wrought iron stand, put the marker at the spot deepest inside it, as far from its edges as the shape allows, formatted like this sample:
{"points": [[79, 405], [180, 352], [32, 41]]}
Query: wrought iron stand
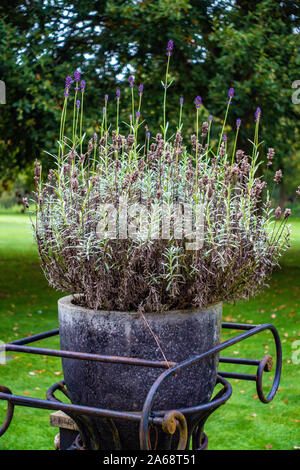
{"points": [[186, 424]]}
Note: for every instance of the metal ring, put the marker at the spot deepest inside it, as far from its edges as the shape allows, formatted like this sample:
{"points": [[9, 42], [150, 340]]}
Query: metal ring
{"points": [[9, 413], [266, 365]]}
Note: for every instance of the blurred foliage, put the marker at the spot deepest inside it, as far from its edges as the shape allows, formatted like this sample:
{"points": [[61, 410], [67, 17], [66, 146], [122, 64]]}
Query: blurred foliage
{"points": [[252, 46]]}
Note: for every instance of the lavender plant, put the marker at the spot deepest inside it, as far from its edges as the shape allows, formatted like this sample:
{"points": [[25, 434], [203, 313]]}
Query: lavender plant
{"points": [[243, 237]]}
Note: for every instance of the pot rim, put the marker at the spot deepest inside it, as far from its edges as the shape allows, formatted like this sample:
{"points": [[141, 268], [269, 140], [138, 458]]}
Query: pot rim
{"points": [[66, 303]]}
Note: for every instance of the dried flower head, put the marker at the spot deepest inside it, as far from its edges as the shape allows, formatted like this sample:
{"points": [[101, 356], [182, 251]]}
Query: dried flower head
{"points": [[278, 213], [278, 176]]}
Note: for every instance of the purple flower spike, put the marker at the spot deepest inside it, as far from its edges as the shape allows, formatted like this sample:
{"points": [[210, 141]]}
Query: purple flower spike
{"points": [[76, 88], [77, 76], [103, 111], [231, 92], [181, 101], [141, 88], [198, 102], [131, 80], [69, 80], [210, 118], [78, 104], [118, 94], [95, 137], [238, 123], [130, 117], [257, 114], [83, 85], [106, 98], [148, 135], [138, 114], [66, 93], [225, 138], [170, 47]]}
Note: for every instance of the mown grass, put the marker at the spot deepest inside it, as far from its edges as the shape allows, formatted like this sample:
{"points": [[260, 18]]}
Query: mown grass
{"points": [[28, 306]]}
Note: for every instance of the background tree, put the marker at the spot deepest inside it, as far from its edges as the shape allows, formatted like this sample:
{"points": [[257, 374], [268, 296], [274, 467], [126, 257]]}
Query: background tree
{"points": [[252, 46]]}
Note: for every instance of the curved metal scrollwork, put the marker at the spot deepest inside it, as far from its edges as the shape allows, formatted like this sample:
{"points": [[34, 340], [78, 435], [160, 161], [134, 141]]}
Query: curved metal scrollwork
{"points": [[171, 421], [88, 434], [188, 422], [9, 413], [265, 365]]}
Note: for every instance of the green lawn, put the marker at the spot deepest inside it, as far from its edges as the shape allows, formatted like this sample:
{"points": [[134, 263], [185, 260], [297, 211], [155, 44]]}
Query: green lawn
{"points": [[28, 306]]}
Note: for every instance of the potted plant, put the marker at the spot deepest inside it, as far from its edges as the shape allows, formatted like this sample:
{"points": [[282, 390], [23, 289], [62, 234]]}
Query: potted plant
{"points": [[148, 236]]}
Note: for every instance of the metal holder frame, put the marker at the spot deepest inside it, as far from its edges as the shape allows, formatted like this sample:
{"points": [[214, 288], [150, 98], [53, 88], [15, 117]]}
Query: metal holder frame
{"points": [[188, 421]]}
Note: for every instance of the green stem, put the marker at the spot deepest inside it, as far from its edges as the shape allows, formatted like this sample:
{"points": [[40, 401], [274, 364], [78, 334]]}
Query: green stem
{"points": [[132, 105], [224, 123], [165, 95], [81, 118], [62, 130], [197, 134], [180, 116], [118, 104], [74, 117], [234, 146]]}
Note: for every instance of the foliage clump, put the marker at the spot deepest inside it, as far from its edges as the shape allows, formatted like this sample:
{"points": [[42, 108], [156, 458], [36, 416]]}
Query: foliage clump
{"points": [[242, 236]]}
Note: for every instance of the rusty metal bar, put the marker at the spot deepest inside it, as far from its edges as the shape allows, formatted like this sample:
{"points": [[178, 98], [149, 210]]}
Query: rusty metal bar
{"points": [[90, 357], [59, 405]]}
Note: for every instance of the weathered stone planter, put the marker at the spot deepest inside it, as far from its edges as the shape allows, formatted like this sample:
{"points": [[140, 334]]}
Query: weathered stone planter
{"points": [[181, 335]]}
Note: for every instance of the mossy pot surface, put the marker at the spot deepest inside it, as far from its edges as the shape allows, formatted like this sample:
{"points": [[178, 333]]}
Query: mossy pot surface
{"points": [[181, 335]]}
